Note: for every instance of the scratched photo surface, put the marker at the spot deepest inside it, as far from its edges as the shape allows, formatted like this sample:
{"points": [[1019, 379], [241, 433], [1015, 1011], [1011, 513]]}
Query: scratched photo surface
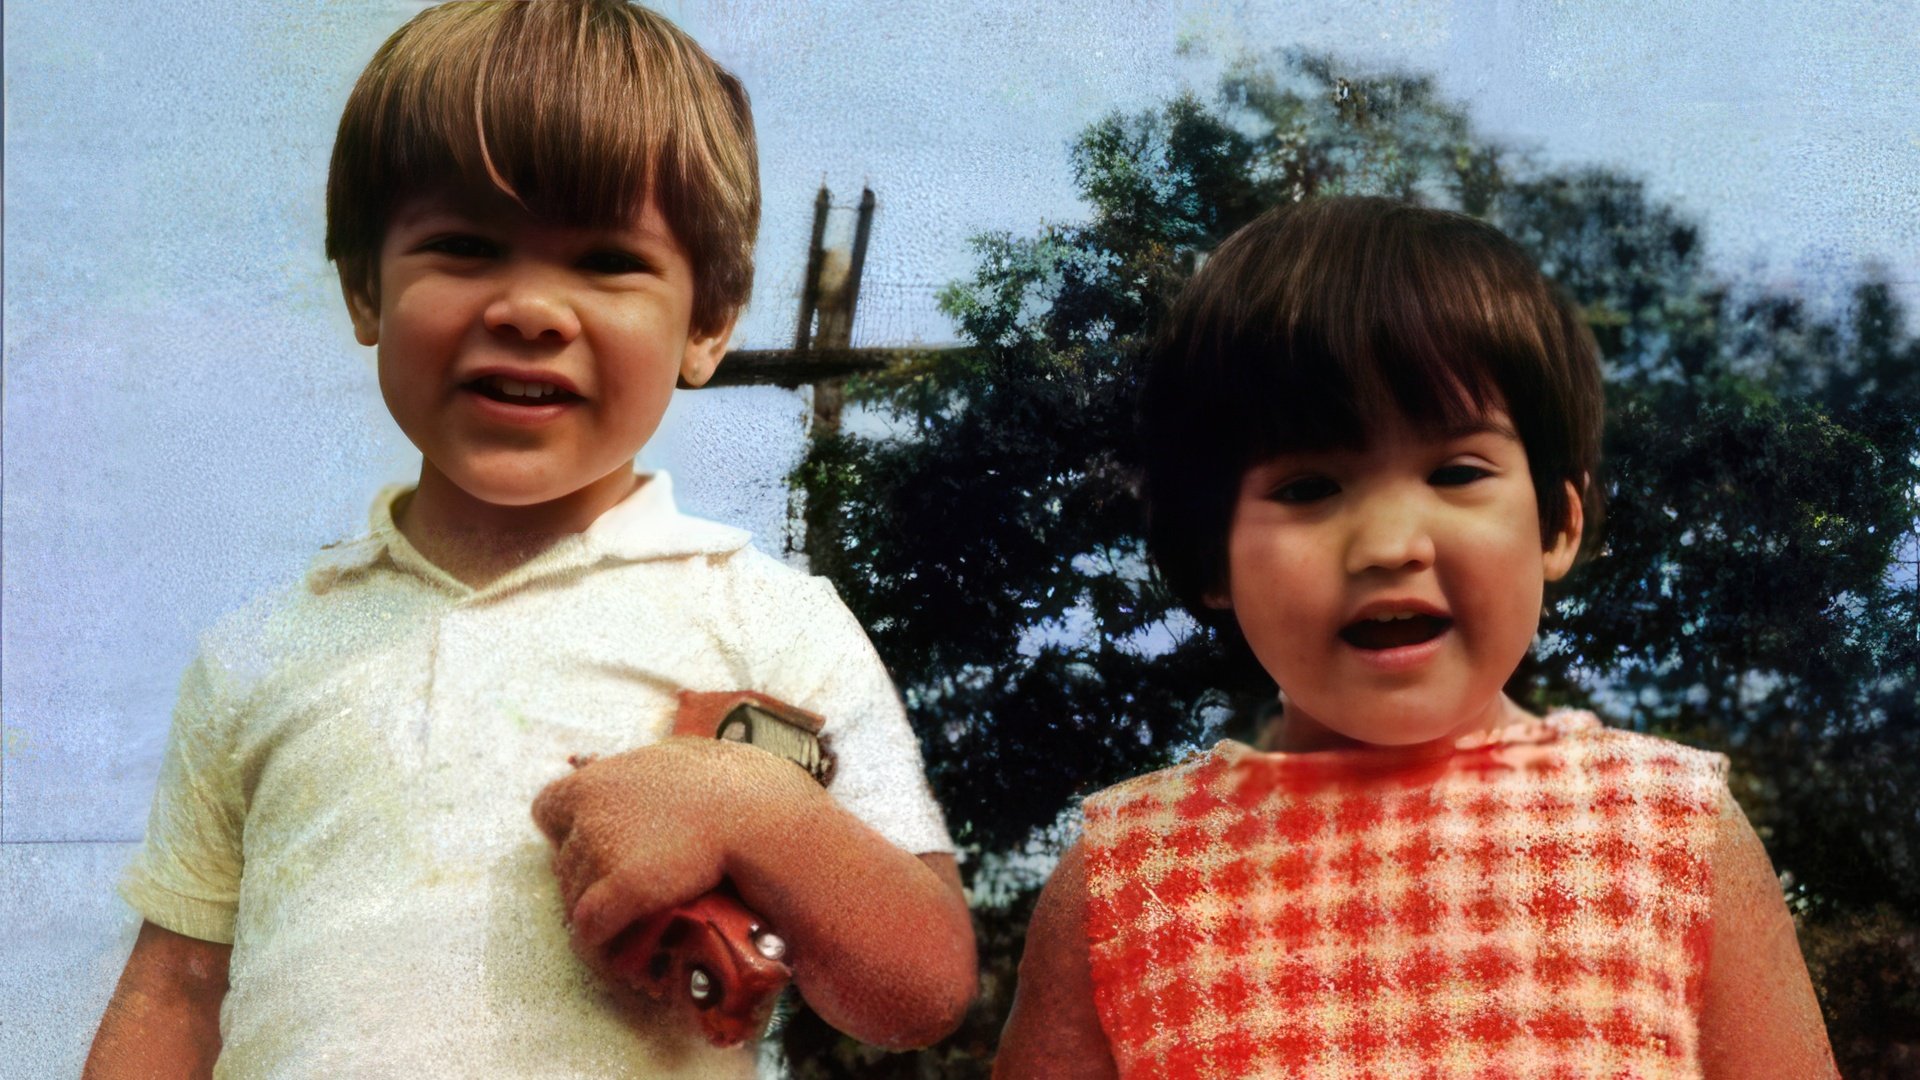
{"points": [[188, 417]]}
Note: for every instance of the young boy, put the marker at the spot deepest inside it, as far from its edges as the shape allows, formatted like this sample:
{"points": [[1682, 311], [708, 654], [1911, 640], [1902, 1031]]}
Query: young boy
{"points": [[1371, 431], [543, 217]]}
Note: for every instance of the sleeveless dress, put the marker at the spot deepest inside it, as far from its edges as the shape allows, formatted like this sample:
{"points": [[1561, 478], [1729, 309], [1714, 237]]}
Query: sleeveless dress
{"points": [[1534, 905]]}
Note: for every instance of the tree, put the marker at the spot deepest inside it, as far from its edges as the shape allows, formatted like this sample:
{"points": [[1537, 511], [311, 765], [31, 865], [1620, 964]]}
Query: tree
{"points": [[1756, 592]]}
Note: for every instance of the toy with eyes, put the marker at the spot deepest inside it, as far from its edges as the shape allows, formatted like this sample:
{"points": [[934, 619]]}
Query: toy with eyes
{"points": [[712, 957]]}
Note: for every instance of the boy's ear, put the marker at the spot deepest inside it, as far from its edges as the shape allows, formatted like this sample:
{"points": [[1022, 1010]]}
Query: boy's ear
{"points": [[1566, 543], [704, 352], [363, 308]]}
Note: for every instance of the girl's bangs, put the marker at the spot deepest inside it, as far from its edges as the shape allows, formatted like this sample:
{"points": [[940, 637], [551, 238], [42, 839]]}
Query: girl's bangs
{"points": [[1391, 336]]}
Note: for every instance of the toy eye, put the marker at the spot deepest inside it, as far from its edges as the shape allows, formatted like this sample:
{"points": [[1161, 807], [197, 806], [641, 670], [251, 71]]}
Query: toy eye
{"points": [[699, 986]]}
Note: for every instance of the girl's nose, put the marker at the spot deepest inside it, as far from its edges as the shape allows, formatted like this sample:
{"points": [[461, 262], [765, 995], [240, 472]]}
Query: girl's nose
{"points": [[532, 308], [1388, 534]]}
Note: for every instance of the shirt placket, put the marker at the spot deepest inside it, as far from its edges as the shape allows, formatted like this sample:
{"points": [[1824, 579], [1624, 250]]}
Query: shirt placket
{"points": [[462, 659]]}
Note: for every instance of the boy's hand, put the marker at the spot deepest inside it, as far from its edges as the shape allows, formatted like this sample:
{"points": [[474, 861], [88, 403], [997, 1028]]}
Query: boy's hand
{"points": [[880, 941], [639, 832]]}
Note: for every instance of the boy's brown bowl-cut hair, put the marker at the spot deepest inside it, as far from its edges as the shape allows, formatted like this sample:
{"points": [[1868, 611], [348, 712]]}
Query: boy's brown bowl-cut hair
{"points": [[1316, 322], [575, 109]]}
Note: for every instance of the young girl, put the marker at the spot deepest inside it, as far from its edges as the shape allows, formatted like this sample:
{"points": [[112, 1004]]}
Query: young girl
{"points": [[1371, 431]]}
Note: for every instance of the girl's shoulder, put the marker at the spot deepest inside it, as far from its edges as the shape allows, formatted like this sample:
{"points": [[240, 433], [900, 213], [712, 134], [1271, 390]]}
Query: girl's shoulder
{"points": [[1197, 769], [1604, 751]]}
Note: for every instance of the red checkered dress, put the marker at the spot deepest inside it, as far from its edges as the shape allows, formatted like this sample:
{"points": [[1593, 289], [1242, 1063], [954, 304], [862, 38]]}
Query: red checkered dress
{"points": [[1534, 906]]}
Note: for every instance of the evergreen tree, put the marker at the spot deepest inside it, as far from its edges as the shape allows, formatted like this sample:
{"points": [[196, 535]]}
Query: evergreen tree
{"points": [[1755, 593]]}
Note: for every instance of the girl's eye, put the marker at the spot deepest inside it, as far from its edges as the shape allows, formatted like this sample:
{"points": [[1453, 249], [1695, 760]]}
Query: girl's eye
{"points": [[1305, 490], [1457, 475], [615, 262], [460, 247]]}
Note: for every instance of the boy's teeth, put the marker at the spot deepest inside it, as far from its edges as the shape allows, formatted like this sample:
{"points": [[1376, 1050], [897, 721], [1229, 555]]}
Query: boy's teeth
{"points": [[1395, 616], [516, 388]]}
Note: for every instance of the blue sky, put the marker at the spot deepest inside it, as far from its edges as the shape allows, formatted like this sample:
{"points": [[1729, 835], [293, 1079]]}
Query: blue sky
{"points": [[1791, 131]]}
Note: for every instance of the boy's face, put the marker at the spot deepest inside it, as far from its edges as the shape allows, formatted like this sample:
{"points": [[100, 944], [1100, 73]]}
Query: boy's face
{"points": [[1392, 591], [529, 360]]}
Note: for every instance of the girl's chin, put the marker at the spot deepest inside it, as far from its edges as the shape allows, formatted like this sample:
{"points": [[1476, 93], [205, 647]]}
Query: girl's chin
{"points": [[1388, 728]]}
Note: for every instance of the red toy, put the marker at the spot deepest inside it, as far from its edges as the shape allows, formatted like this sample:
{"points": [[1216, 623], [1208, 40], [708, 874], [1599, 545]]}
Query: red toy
{"points": [[712, 957]]}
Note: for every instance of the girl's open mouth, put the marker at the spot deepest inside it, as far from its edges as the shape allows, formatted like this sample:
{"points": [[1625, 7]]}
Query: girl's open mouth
{"points": [[1379, 634]]}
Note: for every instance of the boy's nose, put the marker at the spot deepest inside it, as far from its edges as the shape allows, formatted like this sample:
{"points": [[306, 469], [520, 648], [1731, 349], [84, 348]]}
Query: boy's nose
{"points": [[1388, 536], [533, 311]]}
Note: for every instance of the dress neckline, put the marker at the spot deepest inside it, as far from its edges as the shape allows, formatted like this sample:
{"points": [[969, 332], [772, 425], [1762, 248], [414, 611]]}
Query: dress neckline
{"points": [[1533, 731]]}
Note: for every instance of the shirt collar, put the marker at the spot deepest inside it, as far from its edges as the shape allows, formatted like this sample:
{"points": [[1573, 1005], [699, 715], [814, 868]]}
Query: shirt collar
{"points": [[645, 525]]}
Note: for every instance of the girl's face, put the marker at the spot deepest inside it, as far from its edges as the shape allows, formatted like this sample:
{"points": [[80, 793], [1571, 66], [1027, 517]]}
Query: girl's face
{"points": [[1392, 591]]}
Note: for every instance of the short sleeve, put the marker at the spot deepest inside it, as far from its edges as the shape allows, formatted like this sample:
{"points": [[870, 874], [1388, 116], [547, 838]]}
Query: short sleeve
{"points": [[186, 877], [825, 664]]}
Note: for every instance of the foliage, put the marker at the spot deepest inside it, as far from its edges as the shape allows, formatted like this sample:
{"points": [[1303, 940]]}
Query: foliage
{"points": [[1756, 592]]}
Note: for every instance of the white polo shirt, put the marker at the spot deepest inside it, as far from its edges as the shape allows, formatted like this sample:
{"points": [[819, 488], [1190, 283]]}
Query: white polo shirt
{"points": [[345, 795]]}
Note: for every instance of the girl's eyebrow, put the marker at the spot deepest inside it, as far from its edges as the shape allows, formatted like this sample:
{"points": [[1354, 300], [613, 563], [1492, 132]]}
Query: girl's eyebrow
{"points": [[1483, 426]]}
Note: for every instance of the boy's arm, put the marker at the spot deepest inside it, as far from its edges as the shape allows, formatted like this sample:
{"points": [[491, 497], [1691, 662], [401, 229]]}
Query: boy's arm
{"points": [[164, 1017], [1054, 1030], [881, 942], [1759, 1016]]}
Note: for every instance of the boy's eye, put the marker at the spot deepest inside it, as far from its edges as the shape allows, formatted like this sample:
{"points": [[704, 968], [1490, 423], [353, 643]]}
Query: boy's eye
{"points": [[1457, 475], [615, 262], [1306, 489], [461, 246]]}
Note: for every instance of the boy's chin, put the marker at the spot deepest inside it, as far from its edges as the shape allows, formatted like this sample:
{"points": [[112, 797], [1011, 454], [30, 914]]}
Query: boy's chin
{"points": [[516, 491], [495, 491]]}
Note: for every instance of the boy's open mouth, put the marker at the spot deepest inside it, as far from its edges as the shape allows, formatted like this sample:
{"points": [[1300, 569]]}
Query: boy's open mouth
{"points": [[513, 392], [1394, 632]]}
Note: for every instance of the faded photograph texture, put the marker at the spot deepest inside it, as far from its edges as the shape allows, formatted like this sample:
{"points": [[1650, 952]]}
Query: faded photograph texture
{"points": [[1730, 193]]}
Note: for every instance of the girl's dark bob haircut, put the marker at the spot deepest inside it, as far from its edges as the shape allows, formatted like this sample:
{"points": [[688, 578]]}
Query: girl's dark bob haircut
{"points": [[1318, 322]]}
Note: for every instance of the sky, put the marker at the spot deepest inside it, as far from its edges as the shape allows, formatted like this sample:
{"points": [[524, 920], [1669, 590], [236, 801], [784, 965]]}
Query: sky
{"points": [[1791, 132], [187, 416]]}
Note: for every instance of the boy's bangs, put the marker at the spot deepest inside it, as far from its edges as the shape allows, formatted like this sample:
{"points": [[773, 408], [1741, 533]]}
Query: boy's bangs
{"points": [[579, 112], [544, 105]]}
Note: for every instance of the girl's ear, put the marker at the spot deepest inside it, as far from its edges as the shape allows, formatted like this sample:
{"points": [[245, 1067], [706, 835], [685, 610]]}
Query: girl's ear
{"points": [[703, 354], [1566, 543], [363, 308]]}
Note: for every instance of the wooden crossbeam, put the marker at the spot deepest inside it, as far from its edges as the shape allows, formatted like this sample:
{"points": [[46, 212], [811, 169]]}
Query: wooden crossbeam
{"points": [[794, 368]]}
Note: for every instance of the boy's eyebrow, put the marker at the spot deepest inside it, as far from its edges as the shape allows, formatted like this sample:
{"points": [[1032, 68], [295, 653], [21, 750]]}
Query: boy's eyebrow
{"points": [[415, 211], [469, 210]]}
